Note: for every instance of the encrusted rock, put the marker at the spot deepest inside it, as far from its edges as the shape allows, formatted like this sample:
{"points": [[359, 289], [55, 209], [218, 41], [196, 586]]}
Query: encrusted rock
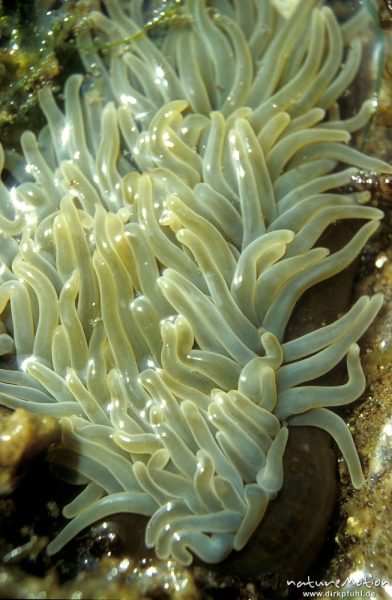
{"points": [[22, 436]]}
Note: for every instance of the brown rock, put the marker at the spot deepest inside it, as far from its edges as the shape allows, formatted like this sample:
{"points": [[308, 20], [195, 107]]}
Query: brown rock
{"points": [[22, 436]]}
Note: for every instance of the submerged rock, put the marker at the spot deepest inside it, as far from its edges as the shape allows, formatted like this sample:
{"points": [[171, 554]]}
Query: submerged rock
{"points": [[364, 538], [22, 437]]}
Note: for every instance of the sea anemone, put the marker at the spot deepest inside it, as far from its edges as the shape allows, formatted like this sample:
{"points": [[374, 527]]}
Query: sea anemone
{"points": [[155, 241]]}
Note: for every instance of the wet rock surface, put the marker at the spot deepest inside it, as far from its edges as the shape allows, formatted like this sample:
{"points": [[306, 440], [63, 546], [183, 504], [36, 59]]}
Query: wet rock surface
{"points": [[22, 437], [364, 537]]}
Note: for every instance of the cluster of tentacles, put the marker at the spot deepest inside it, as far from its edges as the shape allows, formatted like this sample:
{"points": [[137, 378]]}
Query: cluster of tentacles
{"points": [[154, 241]]}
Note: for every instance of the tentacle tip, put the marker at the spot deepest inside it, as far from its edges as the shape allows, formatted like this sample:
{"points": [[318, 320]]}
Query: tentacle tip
{"points": [[378, 299], [358, 481]]}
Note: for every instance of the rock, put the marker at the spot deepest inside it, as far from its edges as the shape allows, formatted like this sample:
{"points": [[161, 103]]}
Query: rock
{"points": [[22, 437]]}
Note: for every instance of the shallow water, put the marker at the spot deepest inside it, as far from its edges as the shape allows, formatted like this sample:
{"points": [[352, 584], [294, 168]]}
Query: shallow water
{"points": [[374, 444]]}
